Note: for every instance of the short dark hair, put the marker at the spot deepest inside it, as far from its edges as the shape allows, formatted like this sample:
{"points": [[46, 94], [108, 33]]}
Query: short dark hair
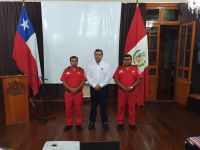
{"points": [[73, 57], [98, 50], [127, 55]]}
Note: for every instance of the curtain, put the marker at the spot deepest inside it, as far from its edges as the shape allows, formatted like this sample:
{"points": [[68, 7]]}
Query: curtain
{"points": [[127, 12]]}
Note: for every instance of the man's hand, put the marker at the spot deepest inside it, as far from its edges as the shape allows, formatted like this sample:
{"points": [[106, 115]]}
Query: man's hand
{"points": [[73, 90], [131, 88], [127, 89], [97, 87], [123, 88], [76, 89]]}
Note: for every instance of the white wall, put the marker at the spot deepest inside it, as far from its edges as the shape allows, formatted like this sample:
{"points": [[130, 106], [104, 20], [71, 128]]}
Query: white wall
{"points": [[77, 29]]}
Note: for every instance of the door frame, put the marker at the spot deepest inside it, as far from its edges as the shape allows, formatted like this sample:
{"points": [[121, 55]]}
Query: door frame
{"points": [[182, 83]]}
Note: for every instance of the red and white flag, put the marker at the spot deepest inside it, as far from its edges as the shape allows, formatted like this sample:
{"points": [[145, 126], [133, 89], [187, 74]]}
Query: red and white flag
{"points": [[137, 47], [25, 51]]}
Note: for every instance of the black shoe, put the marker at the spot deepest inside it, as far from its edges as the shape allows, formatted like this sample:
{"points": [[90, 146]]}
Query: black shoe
{"points": [[133, 127], [79, 127], [105, 125], [67, 127], [120, 126], [91, 125]]}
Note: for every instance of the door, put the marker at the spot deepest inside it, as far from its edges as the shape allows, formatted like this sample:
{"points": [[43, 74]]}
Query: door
{"points": [[184, 62], [153, 32], [167, 62]]}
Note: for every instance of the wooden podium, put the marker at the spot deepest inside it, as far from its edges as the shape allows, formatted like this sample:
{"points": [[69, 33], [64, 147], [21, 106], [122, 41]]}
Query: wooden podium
{"points": [[15, 91]]}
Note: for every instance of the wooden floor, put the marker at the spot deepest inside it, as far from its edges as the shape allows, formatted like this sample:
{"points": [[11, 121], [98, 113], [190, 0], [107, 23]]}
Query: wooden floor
{"points": [[161, 126]]}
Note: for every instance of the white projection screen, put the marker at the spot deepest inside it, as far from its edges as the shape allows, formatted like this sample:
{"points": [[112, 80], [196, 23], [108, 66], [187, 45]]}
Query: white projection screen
{"points": [[78, 28]]}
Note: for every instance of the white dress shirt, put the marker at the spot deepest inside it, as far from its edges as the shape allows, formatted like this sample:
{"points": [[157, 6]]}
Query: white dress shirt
{"points": [[98, 74]]}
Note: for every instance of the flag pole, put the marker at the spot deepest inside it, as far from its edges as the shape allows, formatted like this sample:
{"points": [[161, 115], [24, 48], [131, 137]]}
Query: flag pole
{"points": [[23, 2], [45, 118], [136, 2]]}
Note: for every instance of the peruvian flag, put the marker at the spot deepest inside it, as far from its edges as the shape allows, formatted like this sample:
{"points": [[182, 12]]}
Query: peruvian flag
{"points": [[137, 47], [25, 51]]}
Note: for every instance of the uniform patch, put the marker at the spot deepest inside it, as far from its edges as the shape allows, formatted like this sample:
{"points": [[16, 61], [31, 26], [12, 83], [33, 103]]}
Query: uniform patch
{"points": [[67, 73], [121, 71]]}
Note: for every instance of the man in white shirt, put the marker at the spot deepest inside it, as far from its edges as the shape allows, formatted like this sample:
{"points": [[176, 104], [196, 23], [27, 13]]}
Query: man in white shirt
{"points": [[98, 76]]}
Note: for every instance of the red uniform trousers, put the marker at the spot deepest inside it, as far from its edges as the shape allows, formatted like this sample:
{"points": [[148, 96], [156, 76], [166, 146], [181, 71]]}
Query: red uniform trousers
{"points": [[70, 100], [130, 98]]}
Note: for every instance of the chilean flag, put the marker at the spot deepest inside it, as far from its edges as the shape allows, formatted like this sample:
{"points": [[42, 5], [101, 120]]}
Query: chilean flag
{"points": [[25, 51], [137, 46]]}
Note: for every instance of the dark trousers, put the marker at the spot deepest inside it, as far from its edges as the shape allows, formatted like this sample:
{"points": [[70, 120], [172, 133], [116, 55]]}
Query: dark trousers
{"points": [[98, 97]]}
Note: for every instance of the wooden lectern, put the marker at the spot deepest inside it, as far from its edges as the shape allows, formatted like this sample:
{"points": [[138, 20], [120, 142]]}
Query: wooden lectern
{"points": [[15, 91]]}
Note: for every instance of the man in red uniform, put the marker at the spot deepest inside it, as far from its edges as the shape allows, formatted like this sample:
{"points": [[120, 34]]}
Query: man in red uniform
{"points": [[127, 77], [73, 79]]}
